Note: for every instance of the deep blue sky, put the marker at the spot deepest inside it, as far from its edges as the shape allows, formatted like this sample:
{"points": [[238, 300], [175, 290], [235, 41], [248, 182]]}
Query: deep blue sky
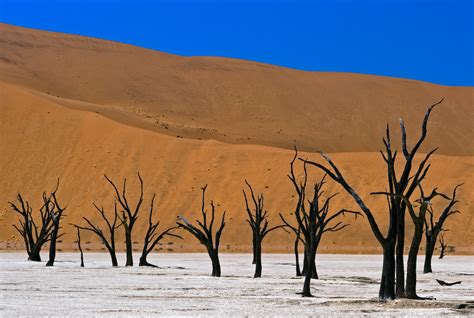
{"points": [[430, 40]]}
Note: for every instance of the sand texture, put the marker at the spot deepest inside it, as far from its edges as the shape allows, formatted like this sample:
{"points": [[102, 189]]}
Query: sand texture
{"points": [[75, 108]]}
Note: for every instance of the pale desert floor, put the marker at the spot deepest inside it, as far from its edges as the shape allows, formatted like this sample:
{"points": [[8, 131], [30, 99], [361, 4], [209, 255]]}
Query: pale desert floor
{"points": [[182, 286]]}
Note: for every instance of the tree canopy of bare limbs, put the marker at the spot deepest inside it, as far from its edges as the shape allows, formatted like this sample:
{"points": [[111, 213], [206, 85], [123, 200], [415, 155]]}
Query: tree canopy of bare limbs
{"points": [[152, 237], [434, 228], [398, 187], [258, 221], [313, 220], [204, 233], [112, 225], [129, 214], [35, 232]]}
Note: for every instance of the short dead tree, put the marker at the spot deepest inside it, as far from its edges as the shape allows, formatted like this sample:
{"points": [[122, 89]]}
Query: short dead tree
{"points": [[35, 233], [313, 220], [129, 215], [78, 241], [204, 233], [109, 243], [434, 228], [442, 246], [258, 221], [56, 213], [152, 237]]}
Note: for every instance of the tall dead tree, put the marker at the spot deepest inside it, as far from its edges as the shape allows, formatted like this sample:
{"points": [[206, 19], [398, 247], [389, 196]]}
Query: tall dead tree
{"points": [[398, 188], [152, 237], [204, 233], [258, 221], [56, 213], [129, 215], [296, 250], [434, 228], [313, 220], [97, 230], [34, 234]]}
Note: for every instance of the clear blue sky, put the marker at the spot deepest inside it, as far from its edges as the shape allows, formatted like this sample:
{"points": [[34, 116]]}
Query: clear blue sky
{"points": [[430, 40]]}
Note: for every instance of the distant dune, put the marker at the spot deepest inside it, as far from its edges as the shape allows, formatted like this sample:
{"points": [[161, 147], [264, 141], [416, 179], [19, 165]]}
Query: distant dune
{"points": [[75, 107]]}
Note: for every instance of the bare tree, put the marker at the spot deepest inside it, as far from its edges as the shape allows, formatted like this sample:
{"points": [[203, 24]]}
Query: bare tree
{"points": [[434, 228], [313, 220], [398, 187], [204, 233], [129, 214], [152, 237], [97, 230], [442, 246], [418, 222], [56, 213], [78, 241], [258, 221], [34, 235]]}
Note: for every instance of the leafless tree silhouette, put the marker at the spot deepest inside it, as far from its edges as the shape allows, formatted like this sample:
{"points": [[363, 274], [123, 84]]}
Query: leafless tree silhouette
{"points": [[434, 228], [398, 187], [313, 220], [152, 237], [258, 221], [129, 215], [56, 213], [35, 233], [112, 225], [204, 233]]}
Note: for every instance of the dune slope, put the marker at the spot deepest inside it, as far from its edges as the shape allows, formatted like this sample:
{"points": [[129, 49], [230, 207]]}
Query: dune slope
{"points": [[43, 140], [231, 100]]}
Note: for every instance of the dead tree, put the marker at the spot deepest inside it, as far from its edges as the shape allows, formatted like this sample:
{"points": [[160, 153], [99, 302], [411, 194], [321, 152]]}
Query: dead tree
{"points": [[434, 228], [34, 235], [418, 222], [129, 214], [442, 246], [204, 233], [97, 230], [313, 220], [152, 237], [258, 221], [398, 187], [56, 213], [79, 245]]}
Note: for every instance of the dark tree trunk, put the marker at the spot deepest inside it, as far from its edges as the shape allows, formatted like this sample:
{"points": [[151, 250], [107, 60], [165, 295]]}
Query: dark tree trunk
{"points": [[311, 270], [35, 255], [387, 282], [297, 257], [52, 246], [144, 262], [400, 266], [411, 263], [254, 245], [113, 257], [216, 266], [430, 246], [258, 259], [306, 266], [129, 247]]}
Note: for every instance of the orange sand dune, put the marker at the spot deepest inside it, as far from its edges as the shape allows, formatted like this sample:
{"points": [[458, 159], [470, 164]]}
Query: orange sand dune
{"points": [[42, 140], [231, 100], [76, 108]]}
